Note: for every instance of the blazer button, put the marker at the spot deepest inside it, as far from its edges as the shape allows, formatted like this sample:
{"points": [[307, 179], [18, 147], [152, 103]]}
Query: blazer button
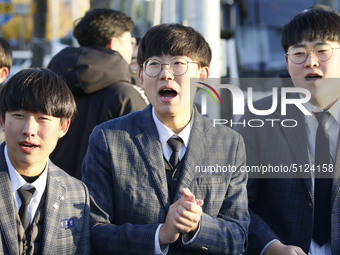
{"points": [[203, 248], [310, 206]]}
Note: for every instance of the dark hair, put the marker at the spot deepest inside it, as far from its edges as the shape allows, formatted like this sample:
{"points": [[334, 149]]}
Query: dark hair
{"points": [[6, 58], [98, 26], [316, 23], [174, 40], [37, 90]]}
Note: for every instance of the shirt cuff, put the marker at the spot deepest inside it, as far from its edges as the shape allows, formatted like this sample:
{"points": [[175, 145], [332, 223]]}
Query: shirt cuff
{"points": [[160, 249], [186, 238], [268, 245]]}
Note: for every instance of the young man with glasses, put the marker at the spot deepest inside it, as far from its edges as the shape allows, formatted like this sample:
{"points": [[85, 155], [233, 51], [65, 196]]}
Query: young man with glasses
{"points": [[300, 215], [147, 197]]}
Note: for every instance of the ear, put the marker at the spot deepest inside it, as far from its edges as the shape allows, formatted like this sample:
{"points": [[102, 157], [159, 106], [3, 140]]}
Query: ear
{"points": [[140, 77], [286, 59], [204, 73], [113, 44], [2, 123], [4, 72], [64, 126]]}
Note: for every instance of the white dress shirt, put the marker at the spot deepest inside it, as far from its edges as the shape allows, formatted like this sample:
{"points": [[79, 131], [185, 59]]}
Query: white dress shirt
{"points": [[17, 182], [164, 134], [332, 126]]}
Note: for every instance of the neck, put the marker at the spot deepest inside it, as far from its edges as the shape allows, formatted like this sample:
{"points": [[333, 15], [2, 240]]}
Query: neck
{"points": [[30, 171], [176, 123]]}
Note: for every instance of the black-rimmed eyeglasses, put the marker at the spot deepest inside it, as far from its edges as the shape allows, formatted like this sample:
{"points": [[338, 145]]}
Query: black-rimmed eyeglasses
{"points": [[177, 66]]}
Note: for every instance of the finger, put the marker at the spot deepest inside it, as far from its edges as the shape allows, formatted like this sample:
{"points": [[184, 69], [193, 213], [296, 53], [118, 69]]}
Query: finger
{"points": [[189, 215], [298, 250], [187, 193], [190, 206], [199, 202], [189, 222]]}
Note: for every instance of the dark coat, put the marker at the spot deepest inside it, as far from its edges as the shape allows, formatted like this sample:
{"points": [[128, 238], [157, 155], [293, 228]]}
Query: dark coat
{"points": [[99, 79]]}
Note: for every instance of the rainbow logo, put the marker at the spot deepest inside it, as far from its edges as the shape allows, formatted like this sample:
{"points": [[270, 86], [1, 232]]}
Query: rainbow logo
{"points": [[209, 93]]}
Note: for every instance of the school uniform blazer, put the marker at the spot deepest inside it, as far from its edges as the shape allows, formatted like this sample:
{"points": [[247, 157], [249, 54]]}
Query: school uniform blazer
{"points": [[66, 227], [125, 173], [283, 208]]}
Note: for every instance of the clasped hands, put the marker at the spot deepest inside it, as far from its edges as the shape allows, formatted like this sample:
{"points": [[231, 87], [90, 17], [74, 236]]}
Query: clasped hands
{"points": [[183, 217]]}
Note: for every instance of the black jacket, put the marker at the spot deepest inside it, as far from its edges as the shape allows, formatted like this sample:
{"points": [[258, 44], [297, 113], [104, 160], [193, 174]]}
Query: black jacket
{"points": [[99, 79]]}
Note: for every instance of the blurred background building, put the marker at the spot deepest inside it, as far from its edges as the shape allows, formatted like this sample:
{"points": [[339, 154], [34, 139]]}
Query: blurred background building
{"points": [[244, 34]]}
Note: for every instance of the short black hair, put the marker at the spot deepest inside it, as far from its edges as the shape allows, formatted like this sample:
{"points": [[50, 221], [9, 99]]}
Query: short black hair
{"points": [[99, 25], [175, 40], [37, 90], [6, 58], [316, 23]]}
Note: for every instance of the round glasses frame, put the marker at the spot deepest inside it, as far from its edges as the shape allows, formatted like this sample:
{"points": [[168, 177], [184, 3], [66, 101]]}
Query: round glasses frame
{"points": [[321, 56], [170, 64]]}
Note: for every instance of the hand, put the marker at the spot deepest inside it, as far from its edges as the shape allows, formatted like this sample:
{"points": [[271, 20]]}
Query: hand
{"points": [[189, 213], [183, 217], [278, 248]]}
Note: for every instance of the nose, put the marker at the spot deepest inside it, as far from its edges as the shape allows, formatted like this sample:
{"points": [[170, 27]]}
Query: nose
{"points": [[30, 127], [166, 73], [312, 60]]}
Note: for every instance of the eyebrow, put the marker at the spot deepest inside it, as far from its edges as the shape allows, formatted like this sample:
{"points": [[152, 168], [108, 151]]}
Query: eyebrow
{"points": [[304, 45]]}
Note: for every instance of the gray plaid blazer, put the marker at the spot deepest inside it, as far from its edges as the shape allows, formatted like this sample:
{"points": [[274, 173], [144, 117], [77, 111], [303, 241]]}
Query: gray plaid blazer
{"points": [[283, 208], [125, 173], [66, 198]]}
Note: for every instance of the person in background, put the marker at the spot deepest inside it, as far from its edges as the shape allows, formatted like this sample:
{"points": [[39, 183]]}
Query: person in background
{"points": [[300, 215], [6, 59], [146, 196], [43, 209], [134, 65], [99, 77]]}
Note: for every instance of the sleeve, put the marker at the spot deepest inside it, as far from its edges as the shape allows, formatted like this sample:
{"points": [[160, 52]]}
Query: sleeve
{"points": [[226, 233], [160, 249], [84, 246], [106, 236]]}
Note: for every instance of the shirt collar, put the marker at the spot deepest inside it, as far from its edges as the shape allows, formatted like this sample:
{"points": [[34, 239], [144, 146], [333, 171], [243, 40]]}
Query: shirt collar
{"points": [[17, 181], [334, 110], [165, 133]]}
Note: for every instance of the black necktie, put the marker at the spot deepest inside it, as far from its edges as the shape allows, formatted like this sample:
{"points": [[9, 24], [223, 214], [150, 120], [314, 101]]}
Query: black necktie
{"points": [[25, 196], [175, 144], [323, 186]]}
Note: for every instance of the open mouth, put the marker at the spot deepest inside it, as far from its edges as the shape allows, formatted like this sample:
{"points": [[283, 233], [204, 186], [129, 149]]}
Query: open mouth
{"points": [[313, 77], [167, 93], [28, 145]]}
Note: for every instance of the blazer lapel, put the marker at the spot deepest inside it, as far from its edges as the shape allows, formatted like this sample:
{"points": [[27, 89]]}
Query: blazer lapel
{"points": [[193, 155], [298, 142], [151, 150], [8, 223], [54, 204]]}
